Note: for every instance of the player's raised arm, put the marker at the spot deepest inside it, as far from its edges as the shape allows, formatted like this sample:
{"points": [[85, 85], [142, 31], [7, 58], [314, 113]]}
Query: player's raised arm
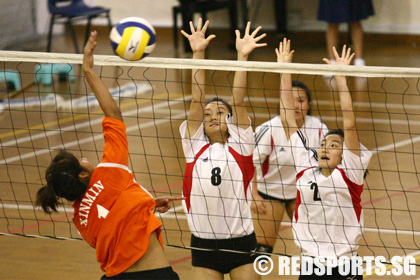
{"points": [[107, 103], [198, 43], [244, 46], [287, 104], [351, 137]]}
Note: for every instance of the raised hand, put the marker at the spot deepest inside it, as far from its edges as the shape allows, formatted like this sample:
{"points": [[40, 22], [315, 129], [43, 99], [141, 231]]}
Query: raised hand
{"points": [[197, 38], [345, 59], [88, 52], [249, 42], [284, 54]]}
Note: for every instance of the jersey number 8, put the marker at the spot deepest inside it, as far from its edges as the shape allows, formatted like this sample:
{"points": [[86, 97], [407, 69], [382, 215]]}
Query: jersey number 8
{"points": [[216, 179]]}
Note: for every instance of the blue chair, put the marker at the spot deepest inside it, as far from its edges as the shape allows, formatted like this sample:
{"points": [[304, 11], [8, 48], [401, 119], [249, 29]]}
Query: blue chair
{"points": [[44, 73], [11, 78], [68, 11]]}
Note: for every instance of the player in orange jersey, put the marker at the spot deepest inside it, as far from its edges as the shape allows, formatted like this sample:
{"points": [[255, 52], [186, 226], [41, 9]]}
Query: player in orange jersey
{"points": [[112, 212]]}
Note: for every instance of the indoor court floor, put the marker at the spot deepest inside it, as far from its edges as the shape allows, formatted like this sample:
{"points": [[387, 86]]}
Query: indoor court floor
{"points": [[388, 121]]}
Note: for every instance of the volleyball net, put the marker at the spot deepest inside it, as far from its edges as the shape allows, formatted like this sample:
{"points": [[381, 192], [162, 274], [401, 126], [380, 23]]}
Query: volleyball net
{"points": [[53, 108]]}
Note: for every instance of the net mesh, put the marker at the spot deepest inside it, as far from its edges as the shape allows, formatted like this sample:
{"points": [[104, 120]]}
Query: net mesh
{"points": [[55, 109]]}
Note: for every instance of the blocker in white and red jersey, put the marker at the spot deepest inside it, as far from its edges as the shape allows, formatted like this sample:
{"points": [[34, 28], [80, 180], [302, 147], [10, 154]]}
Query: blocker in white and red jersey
{"points": [[274, 165], [328, 219], [216, 183]]}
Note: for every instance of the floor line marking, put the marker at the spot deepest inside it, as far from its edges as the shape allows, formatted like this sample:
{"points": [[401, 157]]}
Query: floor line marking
{"points": [[86, 115]]}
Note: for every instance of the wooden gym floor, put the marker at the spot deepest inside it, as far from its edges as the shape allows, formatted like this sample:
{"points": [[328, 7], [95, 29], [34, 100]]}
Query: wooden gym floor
{"points": [[396, 126]]}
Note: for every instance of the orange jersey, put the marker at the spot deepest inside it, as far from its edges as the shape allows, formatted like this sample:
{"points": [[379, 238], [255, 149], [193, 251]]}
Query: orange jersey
{"points": [[116, 215]]}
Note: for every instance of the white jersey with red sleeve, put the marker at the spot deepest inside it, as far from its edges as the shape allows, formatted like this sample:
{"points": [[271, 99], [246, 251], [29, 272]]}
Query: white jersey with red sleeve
{"points": [[274, 164], [216, 183], [328, 218]]}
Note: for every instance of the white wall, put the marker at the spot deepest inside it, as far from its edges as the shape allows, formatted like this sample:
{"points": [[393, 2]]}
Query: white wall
{"points": [[392, 16]]}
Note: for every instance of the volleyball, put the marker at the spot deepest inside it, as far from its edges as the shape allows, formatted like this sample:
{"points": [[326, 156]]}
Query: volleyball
{"points": [[133, 38]]}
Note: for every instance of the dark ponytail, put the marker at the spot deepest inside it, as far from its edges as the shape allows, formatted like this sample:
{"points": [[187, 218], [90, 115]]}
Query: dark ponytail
{"points": [[47, 199], [63, 181]]}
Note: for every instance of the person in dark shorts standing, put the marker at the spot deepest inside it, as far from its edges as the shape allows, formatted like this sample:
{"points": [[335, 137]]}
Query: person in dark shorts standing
{"points": [[335, 12]]}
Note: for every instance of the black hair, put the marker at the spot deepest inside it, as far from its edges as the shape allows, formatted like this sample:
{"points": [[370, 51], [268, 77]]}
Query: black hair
{"points": [[63, 181], [335, 131], [217, 99], [301, 85]]}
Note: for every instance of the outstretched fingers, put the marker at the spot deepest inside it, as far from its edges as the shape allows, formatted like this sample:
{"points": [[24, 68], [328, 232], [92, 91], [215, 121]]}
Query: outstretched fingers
{"points": [[259, 38], [345, 58], [254, 33], [283, 46], [185, 34], [91, 44], [284, 54], [192, 27], [249, 42], [248, 28], [343, 51], [206, 25], [286, 45], [346, 52], [210, 37], [327, 61], [88, 52], [238, 34], [349, 55], [194, 30], [197, 38], [336, 53], [199, 24]]}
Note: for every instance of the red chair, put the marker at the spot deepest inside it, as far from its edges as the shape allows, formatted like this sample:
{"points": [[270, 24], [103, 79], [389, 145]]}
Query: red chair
{"points": [[69, 11]]}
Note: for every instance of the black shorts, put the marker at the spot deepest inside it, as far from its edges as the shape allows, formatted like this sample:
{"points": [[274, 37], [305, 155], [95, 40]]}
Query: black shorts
{"points": [[222, 261], [160, 273], [269, 197]]}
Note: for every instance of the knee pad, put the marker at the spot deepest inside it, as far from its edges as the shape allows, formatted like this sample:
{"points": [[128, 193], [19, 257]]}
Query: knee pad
{"points": [[264, 249]]}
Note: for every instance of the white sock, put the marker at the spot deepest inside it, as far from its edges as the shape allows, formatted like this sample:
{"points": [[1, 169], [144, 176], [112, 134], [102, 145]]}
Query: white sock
{"points": [[359, 62]]}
